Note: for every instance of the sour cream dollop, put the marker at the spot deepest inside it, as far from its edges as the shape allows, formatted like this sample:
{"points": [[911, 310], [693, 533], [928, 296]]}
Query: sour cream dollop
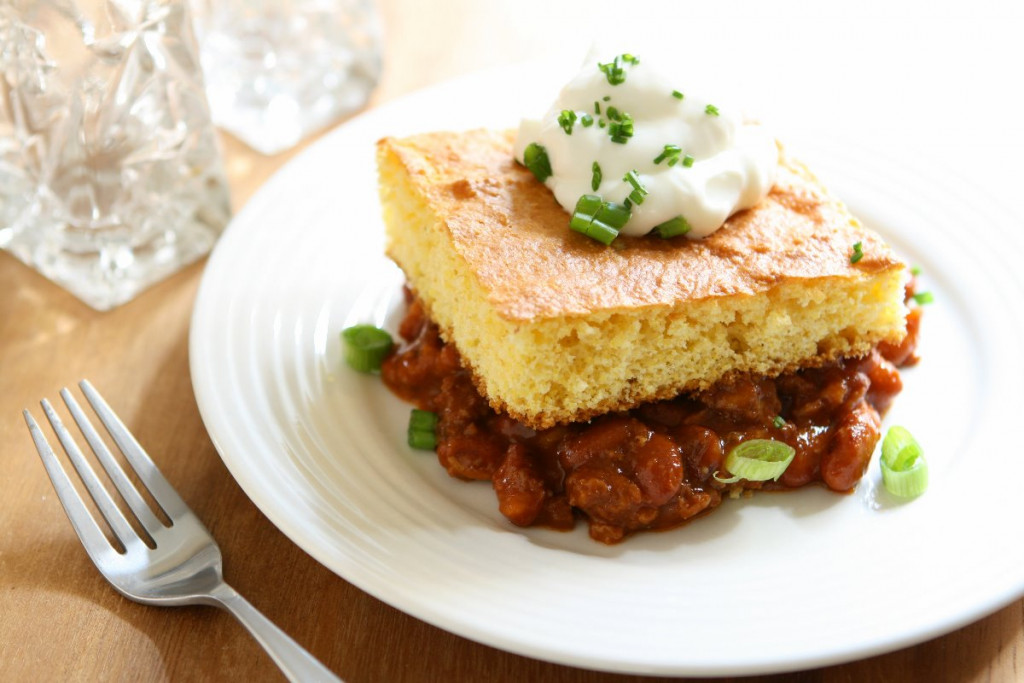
{"points": [[723, 163]]}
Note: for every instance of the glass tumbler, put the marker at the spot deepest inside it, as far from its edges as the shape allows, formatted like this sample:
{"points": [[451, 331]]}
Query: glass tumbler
{"points": [[278, 70], [110, 173]]}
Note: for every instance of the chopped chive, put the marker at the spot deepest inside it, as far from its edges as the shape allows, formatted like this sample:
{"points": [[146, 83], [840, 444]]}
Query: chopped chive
{"points": [[422, 432], [613, 114], [595, 178], [601, 123], [670, 153], [916, 270], [607, 98], [586, 120], [672, 228], [615, 215], [613, 72], [639, 191], [711, 110], [603, 233], [676, 94], [858, 252], [535, 158], [597, 219], [597, 108], [688, 161], [779, 422], [923, 298], [365, 347], [621, 128], [588, 204], [566, 120]]}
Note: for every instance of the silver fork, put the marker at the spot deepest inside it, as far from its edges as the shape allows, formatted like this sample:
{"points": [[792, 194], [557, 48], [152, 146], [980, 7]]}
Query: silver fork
{"points": [[181, 563]]}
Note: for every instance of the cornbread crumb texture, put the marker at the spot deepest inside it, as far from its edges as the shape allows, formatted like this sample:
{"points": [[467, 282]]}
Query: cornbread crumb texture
{"points": [[556, 327]]}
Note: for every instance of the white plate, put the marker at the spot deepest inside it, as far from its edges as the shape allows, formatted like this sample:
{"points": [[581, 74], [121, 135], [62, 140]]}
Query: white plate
{"points": [[774, 583]]}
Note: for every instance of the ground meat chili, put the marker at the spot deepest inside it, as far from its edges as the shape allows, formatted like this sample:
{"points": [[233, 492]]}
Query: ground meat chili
{"points": [[652, 467]]}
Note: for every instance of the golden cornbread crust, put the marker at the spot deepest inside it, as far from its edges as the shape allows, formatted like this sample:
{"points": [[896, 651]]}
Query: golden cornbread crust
{"points": [[557, 328]]}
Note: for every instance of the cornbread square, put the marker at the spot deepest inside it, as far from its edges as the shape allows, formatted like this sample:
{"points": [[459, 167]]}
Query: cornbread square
{"points": [[557, 328]]}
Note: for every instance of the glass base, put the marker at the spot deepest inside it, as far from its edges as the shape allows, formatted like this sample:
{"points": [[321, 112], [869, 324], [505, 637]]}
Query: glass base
{"points": [[114, 273], [272, 79], [110, 173]]}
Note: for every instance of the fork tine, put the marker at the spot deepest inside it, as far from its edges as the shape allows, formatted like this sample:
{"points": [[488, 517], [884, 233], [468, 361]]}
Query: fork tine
{"points": [[164, 494], [124, 486], [96, 544], [118, 524]]}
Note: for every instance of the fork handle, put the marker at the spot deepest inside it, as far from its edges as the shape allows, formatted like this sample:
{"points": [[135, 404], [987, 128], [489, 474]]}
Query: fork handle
{"points": [[293, 660]]}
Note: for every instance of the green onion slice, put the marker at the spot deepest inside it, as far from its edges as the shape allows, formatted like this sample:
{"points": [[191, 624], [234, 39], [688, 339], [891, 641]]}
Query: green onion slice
{"points": [[858, 252], [923, 298], [904, 469], [422, 429], [535, 158], [586, 120], [566, 119], [595, 178], [639, 191], [676, 94], [615, 215], [688, 161], [711, 110], [365, 347], [758, 460], [598, 219], [620, 128], [613, 72], [672, 228], [670, 153]]}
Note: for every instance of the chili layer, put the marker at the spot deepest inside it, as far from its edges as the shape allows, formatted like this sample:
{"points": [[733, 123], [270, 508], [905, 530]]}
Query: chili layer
{"points": [[652, 467]]}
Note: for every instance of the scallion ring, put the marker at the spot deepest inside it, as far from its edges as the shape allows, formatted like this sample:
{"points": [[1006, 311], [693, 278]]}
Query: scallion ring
{"points": [[422, 432], [364, 347], [904, 469], [757, 460]]}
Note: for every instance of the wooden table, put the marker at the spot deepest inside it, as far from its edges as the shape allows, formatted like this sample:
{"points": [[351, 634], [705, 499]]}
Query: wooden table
{"points": [[59, 620]]}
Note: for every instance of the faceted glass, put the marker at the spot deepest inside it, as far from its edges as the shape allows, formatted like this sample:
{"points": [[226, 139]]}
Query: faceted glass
{"points": [[278, 70], [110, 173]]}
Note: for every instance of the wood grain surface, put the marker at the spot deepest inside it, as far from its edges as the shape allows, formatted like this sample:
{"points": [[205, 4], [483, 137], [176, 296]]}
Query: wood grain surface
{"points": [[59, 620]]}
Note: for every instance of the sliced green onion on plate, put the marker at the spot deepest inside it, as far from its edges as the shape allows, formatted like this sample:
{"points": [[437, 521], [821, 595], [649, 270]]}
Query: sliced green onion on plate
{"points": [[364, 347], [904, 469], [422, 429], [758, 460]]}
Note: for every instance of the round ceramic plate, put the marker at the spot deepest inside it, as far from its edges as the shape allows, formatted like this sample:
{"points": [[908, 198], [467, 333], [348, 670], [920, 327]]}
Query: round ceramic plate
{"points": [[771, 583]]}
